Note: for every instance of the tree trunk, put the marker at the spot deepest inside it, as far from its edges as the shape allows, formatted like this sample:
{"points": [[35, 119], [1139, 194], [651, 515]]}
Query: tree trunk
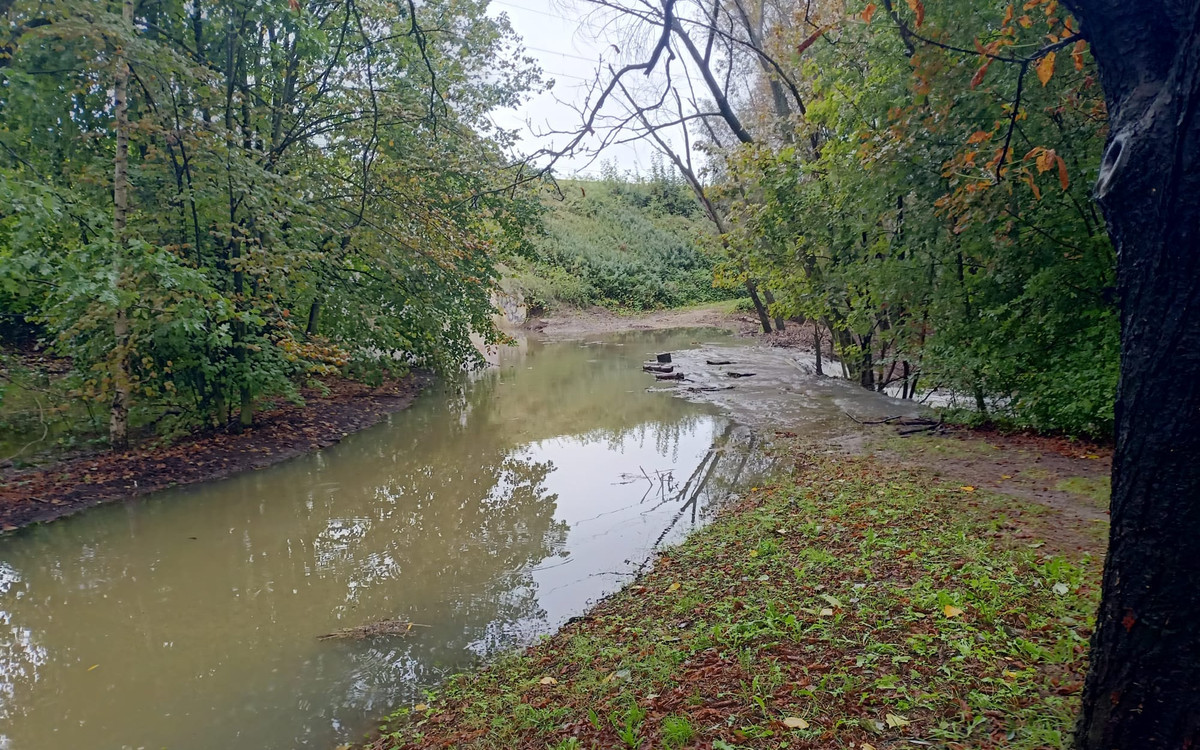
{"points": [[866, 364], [759, 307], [118, 419], [817, 345], [314, 313], [770, 300], [1143, 686]]}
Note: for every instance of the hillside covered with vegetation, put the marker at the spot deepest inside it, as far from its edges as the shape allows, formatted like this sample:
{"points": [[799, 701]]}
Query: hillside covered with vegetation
{"points": [[623, 243]]}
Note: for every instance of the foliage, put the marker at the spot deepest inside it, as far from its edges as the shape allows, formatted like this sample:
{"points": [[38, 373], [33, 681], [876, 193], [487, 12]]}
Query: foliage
{"points": [[937, 221], [637, 245], [312, 190]]}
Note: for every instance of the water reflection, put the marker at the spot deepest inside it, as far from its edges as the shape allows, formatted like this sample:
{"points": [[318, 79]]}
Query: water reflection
{"points": [[490, 513]]}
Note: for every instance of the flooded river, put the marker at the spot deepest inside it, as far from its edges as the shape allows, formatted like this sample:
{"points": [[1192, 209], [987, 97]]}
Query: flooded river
{"points": [[487, 513]]}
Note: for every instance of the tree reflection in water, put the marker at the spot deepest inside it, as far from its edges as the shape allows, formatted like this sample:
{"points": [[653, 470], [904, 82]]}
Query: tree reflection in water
{"points": [[489, 513]]}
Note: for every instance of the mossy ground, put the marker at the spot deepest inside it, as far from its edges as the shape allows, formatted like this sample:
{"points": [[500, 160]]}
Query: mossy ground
{"points": [[849, 604]]}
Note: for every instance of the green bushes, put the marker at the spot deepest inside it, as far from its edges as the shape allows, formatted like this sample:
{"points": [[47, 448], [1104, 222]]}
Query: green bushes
{"points": [[633, 245]]}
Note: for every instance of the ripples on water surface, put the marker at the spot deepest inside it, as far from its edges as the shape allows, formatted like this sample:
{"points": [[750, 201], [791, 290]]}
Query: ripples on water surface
{"points": [[491, 513]]}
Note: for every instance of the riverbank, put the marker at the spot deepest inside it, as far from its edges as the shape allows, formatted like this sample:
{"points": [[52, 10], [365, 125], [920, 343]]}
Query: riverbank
{"points": [[59, 489], [849, 603], [570, 323]]}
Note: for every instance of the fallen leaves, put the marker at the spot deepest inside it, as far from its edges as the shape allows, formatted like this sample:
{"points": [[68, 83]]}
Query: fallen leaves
{"points": [[951, 611], [547, 681], [896, 721], [795, 722]]}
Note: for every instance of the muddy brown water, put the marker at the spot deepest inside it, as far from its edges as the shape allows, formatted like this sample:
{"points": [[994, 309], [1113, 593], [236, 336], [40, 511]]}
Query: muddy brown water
{"points": [[489, 512]]}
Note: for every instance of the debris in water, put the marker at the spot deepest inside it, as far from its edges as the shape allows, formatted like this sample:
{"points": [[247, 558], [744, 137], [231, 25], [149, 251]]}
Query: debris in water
{"points": [[664, 358], [658, 368], [718, 361], [669, 376], [374, 629], [740, 374]]}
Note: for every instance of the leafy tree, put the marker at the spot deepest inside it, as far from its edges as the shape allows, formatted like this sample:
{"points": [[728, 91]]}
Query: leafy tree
{"points": [[309, 187]]}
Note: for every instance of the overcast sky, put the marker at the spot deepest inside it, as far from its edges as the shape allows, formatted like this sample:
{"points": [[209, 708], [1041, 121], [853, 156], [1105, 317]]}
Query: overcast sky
{"points": [[556, 35]]}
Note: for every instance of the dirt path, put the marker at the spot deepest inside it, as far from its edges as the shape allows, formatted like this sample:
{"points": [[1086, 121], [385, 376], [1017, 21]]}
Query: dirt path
{"points": [[1068, 481], [60, 489]]}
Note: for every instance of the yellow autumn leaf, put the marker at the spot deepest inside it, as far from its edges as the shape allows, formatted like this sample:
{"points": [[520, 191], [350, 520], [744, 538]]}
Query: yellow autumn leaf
{"points": [[548, 681], [795, 722], [674, 586], [92, 667], [895, 721], [827, 612], [421, 707], [952, 611], [967, 488], [867, 746], [1045, 68]]}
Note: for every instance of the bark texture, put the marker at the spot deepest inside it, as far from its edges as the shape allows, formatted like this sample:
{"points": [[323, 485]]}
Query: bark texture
{"points": [[1143, 687], [118, 417]]}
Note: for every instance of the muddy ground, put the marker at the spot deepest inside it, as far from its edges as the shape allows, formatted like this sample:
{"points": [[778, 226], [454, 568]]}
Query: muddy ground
{"points": [[569, 324]]}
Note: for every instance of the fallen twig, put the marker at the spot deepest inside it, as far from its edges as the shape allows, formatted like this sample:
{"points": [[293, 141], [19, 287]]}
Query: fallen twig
{"points": [[371, 630]]}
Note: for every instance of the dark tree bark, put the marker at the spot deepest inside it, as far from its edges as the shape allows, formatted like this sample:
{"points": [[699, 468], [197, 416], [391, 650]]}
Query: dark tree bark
{"points": [[1143, 687], [770, 300], [759, 307]]}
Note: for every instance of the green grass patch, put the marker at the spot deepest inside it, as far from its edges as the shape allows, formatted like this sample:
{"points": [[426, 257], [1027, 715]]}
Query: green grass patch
{"points": [[849, 602], [1096, 489], [934, 445]]}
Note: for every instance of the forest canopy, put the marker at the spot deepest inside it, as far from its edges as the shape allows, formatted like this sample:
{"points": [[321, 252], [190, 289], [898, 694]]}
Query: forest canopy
{"points": [[204, 203], [913, 180]]}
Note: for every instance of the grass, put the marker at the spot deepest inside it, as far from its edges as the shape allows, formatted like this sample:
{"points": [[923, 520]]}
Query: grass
{"points": [[848, 604], [1096, 489]]}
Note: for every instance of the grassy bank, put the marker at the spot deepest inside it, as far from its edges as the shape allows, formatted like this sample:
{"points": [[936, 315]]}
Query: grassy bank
{"points": [[850, 604]]}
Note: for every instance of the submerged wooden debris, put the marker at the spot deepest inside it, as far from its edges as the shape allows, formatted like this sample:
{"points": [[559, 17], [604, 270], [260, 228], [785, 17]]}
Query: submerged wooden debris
{"points": [[373, 630]]}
